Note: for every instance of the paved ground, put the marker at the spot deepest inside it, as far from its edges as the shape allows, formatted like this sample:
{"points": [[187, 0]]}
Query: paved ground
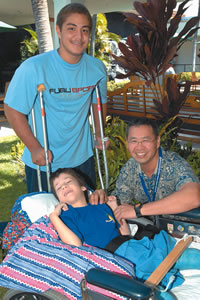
{"points": [[5, 129]]}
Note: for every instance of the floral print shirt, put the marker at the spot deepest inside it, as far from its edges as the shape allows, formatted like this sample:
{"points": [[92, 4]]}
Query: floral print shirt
{"points": [[175, 171]]}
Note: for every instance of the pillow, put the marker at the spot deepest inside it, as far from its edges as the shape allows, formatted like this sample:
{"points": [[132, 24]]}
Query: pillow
{"points": [[35, 205], [39, 205]]}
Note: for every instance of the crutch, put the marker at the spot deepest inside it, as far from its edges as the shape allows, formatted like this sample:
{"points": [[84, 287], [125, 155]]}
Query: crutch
{"points": [[35, 135], [40, 90], [103, 140]]}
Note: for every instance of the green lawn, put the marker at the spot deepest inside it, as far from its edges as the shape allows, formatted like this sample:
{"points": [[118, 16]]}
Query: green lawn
{"points": [[11, 186]]}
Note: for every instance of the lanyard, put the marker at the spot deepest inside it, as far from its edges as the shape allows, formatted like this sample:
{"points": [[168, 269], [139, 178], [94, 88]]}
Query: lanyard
{"points": [[156, 181]]}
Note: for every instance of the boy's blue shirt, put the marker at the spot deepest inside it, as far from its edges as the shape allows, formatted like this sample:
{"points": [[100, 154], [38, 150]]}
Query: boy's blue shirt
{"points": [[90, 221], [96, 226]]}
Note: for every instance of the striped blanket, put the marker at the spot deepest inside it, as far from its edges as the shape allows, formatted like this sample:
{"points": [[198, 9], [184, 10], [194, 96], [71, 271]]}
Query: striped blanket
{"points": [[40, 261]]}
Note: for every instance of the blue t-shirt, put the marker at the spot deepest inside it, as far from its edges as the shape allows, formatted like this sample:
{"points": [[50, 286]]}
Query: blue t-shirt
{"points": [[95, 225], [69, 91]]}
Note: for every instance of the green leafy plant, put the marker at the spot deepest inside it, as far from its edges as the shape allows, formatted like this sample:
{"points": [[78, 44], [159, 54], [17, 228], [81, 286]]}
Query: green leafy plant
{"points": [[194, 160], [186, 151], [117, 154], [112, 85], [172, 144], [184, 76], [103, 37], [29, 45]]}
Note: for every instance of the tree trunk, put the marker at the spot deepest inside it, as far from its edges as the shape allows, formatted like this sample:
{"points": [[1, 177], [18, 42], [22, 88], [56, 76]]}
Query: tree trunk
{"points": [[41, 16]]}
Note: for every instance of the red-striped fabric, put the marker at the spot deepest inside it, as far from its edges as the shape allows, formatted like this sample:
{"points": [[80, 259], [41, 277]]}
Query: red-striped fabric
{"points": [[40, 261]]}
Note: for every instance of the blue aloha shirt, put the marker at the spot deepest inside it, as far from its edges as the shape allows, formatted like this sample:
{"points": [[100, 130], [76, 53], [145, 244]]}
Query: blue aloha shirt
{"points": [[175, 171]]}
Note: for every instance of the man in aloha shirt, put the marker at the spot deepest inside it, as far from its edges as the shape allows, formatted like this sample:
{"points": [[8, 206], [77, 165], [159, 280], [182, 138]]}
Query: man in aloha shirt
{"points": [[175, 171], [161, 181]]}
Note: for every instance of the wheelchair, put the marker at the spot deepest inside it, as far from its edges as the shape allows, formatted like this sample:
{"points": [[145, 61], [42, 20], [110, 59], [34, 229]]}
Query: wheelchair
{"points": [[130, 288]]}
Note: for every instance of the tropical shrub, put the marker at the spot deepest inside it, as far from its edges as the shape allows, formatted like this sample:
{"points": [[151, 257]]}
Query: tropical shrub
{"points": [[117, 154], [149, 51], [29, 45], [194, 160], [103, 38], [187, 76], [114, 85]]}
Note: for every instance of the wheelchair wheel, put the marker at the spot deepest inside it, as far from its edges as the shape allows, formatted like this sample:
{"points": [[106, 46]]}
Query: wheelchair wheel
{"points": [[12, 294]]}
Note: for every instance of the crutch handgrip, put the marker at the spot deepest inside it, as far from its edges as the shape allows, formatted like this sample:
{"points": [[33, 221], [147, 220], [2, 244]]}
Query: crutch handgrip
{"points": [[40, 87]]}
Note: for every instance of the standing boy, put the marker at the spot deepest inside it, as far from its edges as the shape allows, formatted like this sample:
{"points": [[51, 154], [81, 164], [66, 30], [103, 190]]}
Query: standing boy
{"points": [[70, 77]]}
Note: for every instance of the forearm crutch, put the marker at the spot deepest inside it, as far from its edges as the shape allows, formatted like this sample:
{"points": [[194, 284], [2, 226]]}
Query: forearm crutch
{"points": [[38, 167], [40, 90], [103, 140]]}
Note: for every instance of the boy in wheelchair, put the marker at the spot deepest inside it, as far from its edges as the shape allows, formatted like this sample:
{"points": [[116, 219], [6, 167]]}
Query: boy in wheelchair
{"points": [[78, 222]]}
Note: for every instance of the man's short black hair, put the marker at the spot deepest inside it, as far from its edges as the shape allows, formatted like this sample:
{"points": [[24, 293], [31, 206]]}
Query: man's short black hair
{"points": [[143, 121]]}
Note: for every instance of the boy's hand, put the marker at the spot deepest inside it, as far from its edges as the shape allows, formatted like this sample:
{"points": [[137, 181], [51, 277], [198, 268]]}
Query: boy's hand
{"points": [[112, 202], [61, 206]]}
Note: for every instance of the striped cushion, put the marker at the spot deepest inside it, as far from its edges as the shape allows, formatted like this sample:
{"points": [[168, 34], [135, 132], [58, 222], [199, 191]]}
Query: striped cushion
{"points": [[40, 261]]}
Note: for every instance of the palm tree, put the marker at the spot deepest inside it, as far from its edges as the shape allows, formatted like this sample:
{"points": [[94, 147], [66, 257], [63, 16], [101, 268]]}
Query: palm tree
{"points": [[41, 16]]}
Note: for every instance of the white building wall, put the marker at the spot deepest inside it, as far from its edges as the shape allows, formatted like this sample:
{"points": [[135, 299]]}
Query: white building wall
{"points": [[183, 62]]}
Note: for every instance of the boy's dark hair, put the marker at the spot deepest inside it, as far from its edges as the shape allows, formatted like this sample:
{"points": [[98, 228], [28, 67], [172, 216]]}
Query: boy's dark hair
{"points": [[72, 8], [69, 171], [143, 121]]}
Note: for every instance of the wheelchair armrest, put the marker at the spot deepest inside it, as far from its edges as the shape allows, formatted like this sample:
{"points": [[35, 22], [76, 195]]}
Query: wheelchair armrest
{"points": [[128, 287], [193, 214]]}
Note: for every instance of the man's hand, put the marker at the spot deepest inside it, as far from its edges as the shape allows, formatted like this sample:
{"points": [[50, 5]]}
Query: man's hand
{"points": [[99, 145], [98, 196], [124, 211], [38, 156]]}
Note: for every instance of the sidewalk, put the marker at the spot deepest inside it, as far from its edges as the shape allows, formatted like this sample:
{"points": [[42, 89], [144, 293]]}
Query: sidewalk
{"points": [[5, 129]]}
